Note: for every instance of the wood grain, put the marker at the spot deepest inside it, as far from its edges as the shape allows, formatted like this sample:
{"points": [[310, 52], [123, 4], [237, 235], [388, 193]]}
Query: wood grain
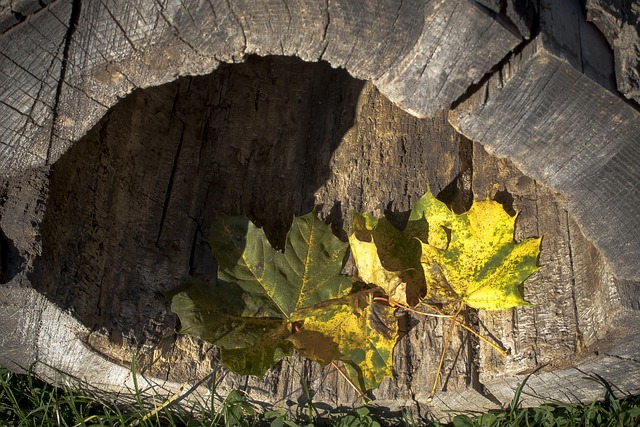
{"points": [[421, 56], [618, 21], [32, 67], [129, 207], [436, 71], [560, 127], [520, 13], [109, 188], [15, 12]]}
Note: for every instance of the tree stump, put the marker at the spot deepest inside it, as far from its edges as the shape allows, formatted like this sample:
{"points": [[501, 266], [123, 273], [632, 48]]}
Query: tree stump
{"points": [[128, 125]]}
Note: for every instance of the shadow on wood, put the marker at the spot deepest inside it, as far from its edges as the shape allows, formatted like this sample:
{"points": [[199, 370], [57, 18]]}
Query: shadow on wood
{"points": [[131, 203], [128, 206]]}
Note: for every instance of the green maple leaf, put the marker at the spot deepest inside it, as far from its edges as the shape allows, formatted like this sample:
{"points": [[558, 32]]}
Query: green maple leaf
{"points": [[248, 312], [362, 334], [222, 314], [480, 264], [307, 273]]}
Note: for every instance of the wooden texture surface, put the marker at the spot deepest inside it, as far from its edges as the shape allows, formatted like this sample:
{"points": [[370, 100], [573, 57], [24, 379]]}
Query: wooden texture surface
{"points": [[129, 206], [565, 33], [108, 189], [32, 67], [13, 13], [520, 13], [76, 59], [436, 72], [560, 127]]}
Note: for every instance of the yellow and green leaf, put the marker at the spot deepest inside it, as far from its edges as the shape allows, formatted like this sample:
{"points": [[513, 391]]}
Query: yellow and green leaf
{"points": [[363, 332], [438, 216], [247, 311], [481, 265], [387, 257]]}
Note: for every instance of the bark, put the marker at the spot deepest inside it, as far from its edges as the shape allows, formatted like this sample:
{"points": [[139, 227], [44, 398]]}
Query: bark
{"points": [[114, 165], [618, 21], [521, 14]]}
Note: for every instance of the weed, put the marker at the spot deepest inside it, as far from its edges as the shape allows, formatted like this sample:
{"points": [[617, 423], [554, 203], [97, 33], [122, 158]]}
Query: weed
{"points": [[611, 412], [27, 401]]}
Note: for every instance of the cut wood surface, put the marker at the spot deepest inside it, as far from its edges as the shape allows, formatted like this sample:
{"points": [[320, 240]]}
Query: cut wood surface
{"points": [[13, 13], [521, 13], [76, 59], [114, 166]]}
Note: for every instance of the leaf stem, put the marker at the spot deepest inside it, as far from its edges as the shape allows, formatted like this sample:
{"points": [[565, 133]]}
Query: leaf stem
{"points": [[502, 352], [362, 396], [393, 303], [397, 304], [444, 349]]}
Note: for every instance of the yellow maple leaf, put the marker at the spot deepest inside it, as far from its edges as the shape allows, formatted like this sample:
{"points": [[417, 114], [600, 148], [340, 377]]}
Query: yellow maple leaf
{"points": [[481, 264]]}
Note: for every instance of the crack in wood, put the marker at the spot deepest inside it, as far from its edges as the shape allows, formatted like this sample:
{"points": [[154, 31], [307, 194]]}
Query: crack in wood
{"points": [[578, 335], [197, 237], [76, 8], [29, 117], [167, 200], [242, 30], [624, 358], [325, 31]]}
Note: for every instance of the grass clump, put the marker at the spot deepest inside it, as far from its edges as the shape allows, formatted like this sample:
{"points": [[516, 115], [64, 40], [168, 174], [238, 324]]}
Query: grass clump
{"points": [[611, 412], [27, 401], [615, 413]]}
